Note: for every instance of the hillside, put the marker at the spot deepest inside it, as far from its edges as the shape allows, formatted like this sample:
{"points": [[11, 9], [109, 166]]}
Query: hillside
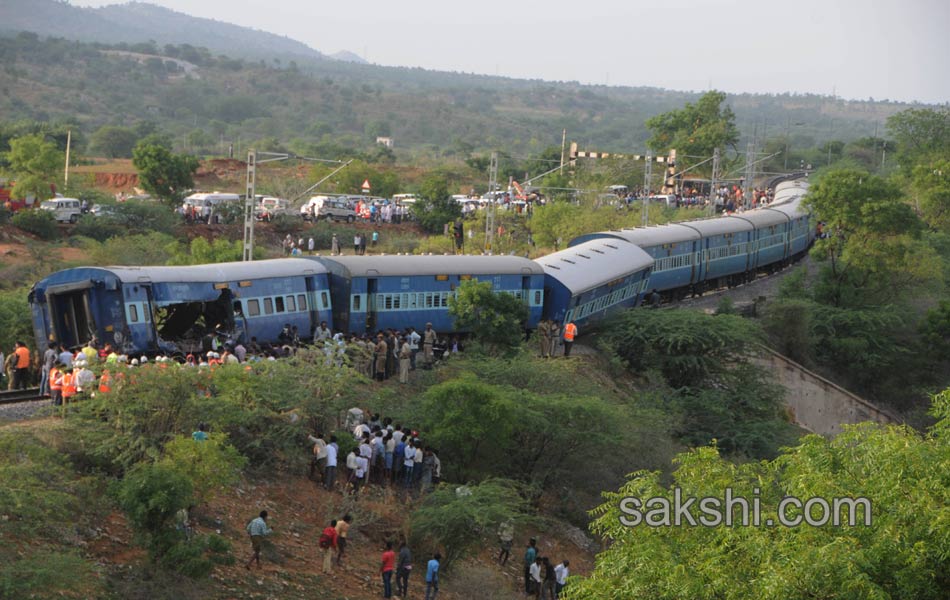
{"points": [[334, 103], [135, 22]]}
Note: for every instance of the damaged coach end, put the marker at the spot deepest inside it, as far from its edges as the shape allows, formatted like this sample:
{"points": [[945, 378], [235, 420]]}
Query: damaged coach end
{"points": [[180, 309]]}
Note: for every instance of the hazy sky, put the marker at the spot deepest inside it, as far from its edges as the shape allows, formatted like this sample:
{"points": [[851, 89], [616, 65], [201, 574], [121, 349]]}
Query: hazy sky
{"points": [[895, 49]]}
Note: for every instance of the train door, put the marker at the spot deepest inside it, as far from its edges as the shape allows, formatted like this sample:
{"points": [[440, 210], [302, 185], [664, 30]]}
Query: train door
{"points": [[71, 318], [526, 290], [138, 316], [372, 285], [312, 306]]}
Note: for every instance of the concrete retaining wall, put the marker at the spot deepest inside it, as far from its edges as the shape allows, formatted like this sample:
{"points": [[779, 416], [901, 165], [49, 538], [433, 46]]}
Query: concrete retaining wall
{"points": [[815, 403]]}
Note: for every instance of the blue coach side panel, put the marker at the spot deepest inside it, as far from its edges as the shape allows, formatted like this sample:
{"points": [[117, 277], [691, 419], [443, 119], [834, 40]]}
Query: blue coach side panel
{"points": [[397, 292], [770, 238], [674, 249], [593, 279], [725, 247]]}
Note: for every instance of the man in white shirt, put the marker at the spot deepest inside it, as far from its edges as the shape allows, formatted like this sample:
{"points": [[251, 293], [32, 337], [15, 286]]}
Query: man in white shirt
{"points": [[535, 573], [332, 450], [561, 571], [362, 471], [417, 462], [413, 338]]}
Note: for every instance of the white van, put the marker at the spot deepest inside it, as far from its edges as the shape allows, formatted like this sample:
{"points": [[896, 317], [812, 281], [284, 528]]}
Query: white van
{"points": [[210, 199], [65, 210], [312, 206]]}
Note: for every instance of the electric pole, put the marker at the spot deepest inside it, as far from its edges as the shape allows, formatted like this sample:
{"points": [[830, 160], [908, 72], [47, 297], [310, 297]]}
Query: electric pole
{"points": [[647, 176], [490, 210], [749, 173], [249, 202], [714, 180]]}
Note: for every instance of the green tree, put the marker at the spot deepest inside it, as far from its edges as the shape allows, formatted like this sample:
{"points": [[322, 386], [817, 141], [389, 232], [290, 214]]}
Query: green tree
{"points": [[36, 163], [457, 519], [470, 423], [436, 206], [113, 141], [200, 252], [922, 134], [496, 319], [930, 186], [874, 251], [695, 129], [162, 173], [898, 549], [210, 465]]}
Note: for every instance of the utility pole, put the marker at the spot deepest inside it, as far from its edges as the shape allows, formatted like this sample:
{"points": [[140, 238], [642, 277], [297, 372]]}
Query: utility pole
{"points": [[249, 206], [563, 148], [749, 173], [647, 176], [490, 210], [714, 180], [69, 141], [250, 201]]}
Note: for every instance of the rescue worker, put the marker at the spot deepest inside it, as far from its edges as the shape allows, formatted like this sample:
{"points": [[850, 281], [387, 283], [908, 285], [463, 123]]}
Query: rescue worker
{"points": [[554, 329], [56, 384], [105, 382], [69, 385], [570, 332]]}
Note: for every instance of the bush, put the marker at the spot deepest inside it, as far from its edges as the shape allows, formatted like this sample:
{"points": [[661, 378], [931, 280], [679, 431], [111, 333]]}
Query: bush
{"points": [[48, 573], [41, 223], [457, 519], [210, 465]]}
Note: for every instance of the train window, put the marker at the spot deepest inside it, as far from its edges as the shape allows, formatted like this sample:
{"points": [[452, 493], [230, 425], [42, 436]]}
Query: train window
{"points": [[537, 298], [279, 303], [326, 300], [253, 307], [445, 300], [356, 302], [302, 302], [388, 302], [291, 304], [268, 306], [428, 300], [133, 313]]}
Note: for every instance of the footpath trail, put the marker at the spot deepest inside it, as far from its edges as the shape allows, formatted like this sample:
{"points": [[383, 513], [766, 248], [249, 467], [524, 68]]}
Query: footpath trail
{"points": [[292, 561]]}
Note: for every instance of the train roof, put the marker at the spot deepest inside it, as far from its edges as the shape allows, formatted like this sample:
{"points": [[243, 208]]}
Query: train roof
{"points": [[762, 217], [218, 272], [417, 264], [594, 263], [657, 234]]}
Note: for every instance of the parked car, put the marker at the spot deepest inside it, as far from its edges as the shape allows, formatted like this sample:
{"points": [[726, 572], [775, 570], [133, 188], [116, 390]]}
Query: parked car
{"points": [[325, 207], [269, 207], [65, 210]]}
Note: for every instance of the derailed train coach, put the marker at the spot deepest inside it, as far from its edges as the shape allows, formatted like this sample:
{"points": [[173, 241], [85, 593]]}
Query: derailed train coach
{"points": [[381, 292], [588, 281], [179, 309]]}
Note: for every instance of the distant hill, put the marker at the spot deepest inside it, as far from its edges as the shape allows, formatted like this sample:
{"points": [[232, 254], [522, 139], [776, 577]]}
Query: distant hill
{"points": [[319, 107], [140, 22], [347, 56]]}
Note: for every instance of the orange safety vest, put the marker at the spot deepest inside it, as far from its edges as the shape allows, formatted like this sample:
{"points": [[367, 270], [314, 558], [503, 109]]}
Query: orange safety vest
{"points": [[55, 379], [105, 382], [69, 385], [570, 330]]}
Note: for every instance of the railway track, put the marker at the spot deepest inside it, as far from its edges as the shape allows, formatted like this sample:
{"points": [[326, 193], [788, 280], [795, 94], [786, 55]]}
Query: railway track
{"points": [[15, 396]]}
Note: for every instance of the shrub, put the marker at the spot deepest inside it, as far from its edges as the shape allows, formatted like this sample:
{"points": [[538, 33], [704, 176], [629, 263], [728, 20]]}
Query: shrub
{"points": [[456, 519], [210, 465], [48, 573], [41, 223]]}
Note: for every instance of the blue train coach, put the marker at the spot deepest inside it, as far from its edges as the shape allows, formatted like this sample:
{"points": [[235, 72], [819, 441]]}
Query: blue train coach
{"points": [[586, 282], [380, 292], [177, 309]]}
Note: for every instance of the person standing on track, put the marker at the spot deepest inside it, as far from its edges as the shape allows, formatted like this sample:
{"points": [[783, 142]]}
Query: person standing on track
{"points": [[570, 332], [21, 369]]}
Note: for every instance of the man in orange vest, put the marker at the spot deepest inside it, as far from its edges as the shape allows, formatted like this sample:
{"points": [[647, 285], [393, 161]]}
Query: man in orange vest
{"points": [[69, 385], [21, 369], [105, 382], [56, 384], [570, 332]]}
